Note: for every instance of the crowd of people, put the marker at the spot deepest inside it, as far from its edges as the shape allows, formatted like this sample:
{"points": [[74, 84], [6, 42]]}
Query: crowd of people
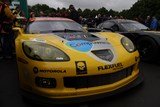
{"points": [[151, 22], [7, 18]]}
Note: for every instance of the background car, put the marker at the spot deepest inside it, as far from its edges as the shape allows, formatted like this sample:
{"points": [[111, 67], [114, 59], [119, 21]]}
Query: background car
{"points": [[147, 42], [59, 62]]}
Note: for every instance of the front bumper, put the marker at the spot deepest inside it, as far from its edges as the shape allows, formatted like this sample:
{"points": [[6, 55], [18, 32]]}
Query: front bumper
{"points": [[47, 101]]}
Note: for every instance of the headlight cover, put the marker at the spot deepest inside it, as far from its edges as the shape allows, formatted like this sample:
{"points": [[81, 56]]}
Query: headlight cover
{"points": [[43, 52], [128, 44]]}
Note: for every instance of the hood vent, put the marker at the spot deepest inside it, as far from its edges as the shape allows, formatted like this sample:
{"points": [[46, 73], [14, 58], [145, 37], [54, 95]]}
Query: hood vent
{"points": [[106, 54]]}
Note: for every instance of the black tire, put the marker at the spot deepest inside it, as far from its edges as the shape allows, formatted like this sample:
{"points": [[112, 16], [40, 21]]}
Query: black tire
{"points": [[147, 48]]}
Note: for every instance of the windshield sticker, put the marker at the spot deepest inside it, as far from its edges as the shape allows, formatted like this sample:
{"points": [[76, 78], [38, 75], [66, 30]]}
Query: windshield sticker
{"points": [[72, 36], [80, 45]]}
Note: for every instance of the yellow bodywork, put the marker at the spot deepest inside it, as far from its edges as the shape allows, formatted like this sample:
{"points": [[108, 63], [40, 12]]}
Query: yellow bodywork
{"points": [[27, 76]]}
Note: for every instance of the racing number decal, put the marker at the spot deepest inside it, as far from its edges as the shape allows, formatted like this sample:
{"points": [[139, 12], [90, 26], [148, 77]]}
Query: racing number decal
{"points": [[81, 67]]}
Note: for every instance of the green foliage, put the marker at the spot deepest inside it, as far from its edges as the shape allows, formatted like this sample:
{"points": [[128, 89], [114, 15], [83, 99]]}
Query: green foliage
{"points": [[84, 13], [80, 11], [141, 8], [102, 11], [41, 7], [94, 13]]}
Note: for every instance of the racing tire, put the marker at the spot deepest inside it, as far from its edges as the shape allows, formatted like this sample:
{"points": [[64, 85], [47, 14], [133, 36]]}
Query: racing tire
{"points": [[147, 48]]}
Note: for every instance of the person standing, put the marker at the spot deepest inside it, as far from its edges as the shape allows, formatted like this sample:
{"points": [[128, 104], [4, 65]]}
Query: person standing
{"points": [[148, 21], [6, 22], [32, 17], [154, 23], [73, 14], [98, 19]]}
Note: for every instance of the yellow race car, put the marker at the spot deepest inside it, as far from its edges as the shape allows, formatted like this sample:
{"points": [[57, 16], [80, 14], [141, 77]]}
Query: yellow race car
{"points": [[60, 62]]}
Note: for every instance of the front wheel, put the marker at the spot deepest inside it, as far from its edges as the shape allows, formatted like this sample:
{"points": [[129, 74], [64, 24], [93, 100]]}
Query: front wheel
{"points": [[147, 48]]}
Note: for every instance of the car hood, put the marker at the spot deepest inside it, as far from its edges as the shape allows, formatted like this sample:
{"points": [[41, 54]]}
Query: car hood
{"points": [[83, 42], [93, 45], [153, 32]]}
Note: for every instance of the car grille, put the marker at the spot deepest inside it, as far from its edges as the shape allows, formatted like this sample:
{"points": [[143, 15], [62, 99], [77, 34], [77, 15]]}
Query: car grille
{"points": [[97, 80]]}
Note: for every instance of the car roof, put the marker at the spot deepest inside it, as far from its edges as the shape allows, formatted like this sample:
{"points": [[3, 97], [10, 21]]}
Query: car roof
{"points": [[51, 19], [122, 20]]}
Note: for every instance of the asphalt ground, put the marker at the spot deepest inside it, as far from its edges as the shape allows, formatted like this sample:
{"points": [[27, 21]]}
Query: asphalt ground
{"points": [[146, 94]]}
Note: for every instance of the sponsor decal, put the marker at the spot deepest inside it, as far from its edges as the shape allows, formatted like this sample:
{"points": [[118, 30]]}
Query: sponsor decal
{"points": [[85, 36], [112, 66], [36, 70], [69, 36], [72, 36], [81, 67], [59, 58], [99, 43], [53, 71], [78, 36], [80, 45]]}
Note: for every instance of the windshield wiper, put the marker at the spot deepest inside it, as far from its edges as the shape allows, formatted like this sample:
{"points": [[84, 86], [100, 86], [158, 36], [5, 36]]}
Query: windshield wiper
{"points": [[51, 31], [71, 30], [65, 30]]}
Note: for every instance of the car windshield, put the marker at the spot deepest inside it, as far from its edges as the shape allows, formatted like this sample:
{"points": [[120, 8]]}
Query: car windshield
{"points": [[53, 26], [134, 26]]}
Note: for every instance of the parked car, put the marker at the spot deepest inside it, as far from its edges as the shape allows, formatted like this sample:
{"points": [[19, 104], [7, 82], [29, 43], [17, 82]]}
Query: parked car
{"points": [[147, 42], [59, 62]]}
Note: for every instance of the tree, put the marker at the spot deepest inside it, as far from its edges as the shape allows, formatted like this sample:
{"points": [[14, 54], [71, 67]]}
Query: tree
{"points": [[86, 13], [113, 13], [102, 11], [80, 11], [94, 13], [143, 8]]}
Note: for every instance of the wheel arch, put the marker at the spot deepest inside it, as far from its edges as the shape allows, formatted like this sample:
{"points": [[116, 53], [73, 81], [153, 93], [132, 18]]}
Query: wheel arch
{"points": [[156, 47], [155, 39]]}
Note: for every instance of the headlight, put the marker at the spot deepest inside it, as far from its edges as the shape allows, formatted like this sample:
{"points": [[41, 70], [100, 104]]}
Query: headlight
{"points": [[43, 52], [128, 44]]}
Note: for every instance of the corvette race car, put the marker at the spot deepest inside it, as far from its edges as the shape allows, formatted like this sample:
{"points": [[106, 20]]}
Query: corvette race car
{"points": [[59, 62]]}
